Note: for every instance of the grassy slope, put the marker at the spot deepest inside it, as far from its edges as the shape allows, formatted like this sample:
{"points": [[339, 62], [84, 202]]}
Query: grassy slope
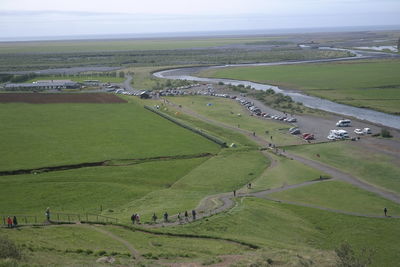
{"points": [[173, 248], [341, 196], [58, 134], [223, 173], [83, 190], [360, 83], [286, 172], [288, 227], [375, 168], [226, 111]]}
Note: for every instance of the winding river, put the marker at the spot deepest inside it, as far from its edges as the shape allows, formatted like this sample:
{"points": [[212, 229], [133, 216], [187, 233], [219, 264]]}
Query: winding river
{"points": [[381, 118]]}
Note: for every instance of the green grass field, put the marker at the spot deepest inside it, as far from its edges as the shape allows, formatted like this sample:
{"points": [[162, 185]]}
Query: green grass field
{"points": [[226, 111], [122, 45], [340, 196], [358, 83], [59, 134], [376, 168], [84, 190]]}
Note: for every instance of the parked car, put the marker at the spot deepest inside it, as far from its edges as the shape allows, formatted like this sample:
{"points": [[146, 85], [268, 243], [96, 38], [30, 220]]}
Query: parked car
{"points": [[367, 131], [343, 123], [294, 130], [308, 136], [358, 131]]}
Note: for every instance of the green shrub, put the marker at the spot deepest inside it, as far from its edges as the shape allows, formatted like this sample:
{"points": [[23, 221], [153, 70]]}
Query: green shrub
{"points": [[385, 133], [8, 249]]}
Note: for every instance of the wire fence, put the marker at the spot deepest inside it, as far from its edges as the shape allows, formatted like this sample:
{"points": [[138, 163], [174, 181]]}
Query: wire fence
{"points": [[57, 217]]}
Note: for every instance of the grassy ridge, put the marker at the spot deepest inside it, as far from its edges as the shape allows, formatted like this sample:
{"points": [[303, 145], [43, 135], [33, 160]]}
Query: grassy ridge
{"points": [[59, 134], [223, 173], [376, 168], [357, 83], [341, 196]]}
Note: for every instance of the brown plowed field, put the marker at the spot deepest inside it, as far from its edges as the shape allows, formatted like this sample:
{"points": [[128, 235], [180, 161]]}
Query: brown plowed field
{"points": [[39, 98]]}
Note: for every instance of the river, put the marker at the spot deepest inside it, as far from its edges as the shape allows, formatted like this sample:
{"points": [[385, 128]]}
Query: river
{"points": [[373, 116]]}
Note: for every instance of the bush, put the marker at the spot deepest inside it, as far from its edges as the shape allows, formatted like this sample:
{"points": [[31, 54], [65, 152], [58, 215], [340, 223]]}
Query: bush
{"points": [[348, 258], [8, 249], [385, 133]]}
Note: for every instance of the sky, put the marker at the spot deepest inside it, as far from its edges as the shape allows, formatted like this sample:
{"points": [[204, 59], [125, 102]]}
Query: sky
{"points": [[25, 19]]}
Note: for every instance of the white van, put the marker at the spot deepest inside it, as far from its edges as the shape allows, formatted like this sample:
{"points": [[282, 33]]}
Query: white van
{"points": [[343, 123]]}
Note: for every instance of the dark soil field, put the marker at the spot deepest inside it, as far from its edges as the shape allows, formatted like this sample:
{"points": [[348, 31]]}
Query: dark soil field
{"points": [[39, 98]]}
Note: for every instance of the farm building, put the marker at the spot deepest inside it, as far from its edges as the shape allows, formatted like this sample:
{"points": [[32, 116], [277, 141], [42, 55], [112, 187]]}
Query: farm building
{"points": [[42, 85]]}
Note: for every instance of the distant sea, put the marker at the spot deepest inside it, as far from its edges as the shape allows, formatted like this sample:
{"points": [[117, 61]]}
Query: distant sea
{"points": [[200, 34]]}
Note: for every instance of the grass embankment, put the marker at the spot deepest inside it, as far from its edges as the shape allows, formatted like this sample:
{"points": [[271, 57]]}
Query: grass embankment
{"points": [[59, 134], [84, 190], [225, 172], [376, 168], [303, 231], [340, 196], [286, 172], [227, 111], [370, 83]]}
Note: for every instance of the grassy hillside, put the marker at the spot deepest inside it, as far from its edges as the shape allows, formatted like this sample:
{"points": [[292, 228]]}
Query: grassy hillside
{"points": [[371, 83]]}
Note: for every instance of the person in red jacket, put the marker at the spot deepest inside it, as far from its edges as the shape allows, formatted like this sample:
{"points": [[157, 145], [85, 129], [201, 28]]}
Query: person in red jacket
{"points": [[9, 222]]}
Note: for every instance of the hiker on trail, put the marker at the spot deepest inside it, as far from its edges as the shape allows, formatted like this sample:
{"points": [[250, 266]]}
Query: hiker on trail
{"points": [[47, 213], [133, 218], [271, 137], [154, 217], [249, 186], [15, 222], [186, 216], [385, 211], [254, 133], [166, 217], [194, 214], [137, 218], [234, 193], [9, 222], [179, 218]]}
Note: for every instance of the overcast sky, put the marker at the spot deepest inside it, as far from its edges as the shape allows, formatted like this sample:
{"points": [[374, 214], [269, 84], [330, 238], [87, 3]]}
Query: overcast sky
{"points": [[28, 18]]}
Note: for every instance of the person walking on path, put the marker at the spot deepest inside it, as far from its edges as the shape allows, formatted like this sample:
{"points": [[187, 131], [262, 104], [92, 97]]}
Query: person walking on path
{"points": [[385, 211], [154, 217], [15, 222], [47, 213], [137, 218], [186, 216], [133, 218], [194, 215], [234, 193], [166, 217], [9, 222], [179, 218]]}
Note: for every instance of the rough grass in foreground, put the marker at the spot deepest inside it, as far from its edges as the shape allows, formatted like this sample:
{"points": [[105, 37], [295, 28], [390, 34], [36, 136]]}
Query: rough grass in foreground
{"points": [[301, 229]]}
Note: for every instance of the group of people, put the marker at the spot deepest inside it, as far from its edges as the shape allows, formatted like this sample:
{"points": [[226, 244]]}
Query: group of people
{"points": [[135, 218], [12, 222]]}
